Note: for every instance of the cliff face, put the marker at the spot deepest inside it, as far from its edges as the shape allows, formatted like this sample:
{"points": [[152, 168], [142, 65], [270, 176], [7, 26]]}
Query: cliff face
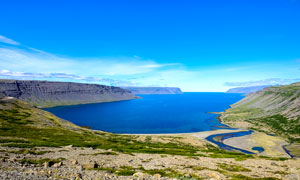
{"points": [[274, 110], [48, 93], [154, 90]]}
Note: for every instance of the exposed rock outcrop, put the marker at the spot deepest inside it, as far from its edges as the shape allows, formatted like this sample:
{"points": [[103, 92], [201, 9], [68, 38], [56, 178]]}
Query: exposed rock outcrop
{"points": [[49, 93], [154, 90]]}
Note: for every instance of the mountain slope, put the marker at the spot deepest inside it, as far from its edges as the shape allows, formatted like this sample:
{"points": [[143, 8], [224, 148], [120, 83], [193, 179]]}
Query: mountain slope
{"points": [[275, 110], [48, 93]]}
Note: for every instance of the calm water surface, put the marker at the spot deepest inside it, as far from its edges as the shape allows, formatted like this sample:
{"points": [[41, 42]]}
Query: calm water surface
{"points": [[179, 113]]}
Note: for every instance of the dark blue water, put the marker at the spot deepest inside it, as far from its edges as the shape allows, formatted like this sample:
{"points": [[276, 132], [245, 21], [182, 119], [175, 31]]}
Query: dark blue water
{"points": [[180, 113], [226, 136], [259, 149]]}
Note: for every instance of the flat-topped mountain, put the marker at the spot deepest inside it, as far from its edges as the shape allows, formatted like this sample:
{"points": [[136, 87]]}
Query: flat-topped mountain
{"points": [[154, 90], [50, 93], [247, 90]]}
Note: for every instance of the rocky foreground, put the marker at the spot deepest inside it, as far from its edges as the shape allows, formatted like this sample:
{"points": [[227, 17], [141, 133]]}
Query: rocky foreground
{"points": [[35, 144], [88, 163]]}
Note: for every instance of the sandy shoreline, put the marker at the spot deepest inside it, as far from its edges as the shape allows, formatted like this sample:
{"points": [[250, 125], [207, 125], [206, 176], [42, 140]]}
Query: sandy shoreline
{"points": [[199, 134], [273, 146]]}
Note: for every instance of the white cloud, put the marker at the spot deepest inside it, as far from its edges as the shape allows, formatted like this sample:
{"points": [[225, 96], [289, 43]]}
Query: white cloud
{"points": [[8, 41], [30, 63], [21, 62], [62, 77], [38, 61]]}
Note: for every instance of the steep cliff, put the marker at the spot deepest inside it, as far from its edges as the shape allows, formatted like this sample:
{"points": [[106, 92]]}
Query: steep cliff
{"points": [[274, 110], [154, 90], [48, 93]]}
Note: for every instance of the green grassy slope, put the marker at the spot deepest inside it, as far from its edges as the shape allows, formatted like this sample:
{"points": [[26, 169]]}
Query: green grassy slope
{"points": [[274, 110], [24, 126]]}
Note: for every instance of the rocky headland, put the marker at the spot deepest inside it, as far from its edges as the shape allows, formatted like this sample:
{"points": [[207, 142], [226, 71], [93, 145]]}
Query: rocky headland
{"points": [[49, 93]]}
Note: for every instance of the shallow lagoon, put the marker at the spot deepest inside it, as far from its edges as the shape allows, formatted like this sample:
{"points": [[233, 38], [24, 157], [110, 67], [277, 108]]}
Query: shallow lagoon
{"points": [[152, 114]]}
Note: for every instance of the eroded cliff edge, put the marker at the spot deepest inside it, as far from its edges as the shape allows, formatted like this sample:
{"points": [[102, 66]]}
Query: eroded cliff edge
{"points": [[49, 93]]}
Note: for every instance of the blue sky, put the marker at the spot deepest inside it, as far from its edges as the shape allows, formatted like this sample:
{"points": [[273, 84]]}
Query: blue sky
{"points": [[210, 45]]}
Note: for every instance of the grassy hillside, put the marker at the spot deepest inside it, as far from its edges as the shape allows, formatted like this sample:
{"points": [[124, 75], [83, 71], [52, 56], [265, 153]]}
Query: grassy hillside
{"points": [[28, 135], [273, 110], [24, 126]]}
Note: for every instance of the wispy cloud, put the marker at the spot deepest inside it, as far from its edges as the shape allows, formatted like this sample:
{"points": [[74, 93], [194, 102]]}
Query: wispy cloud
{"points": [[63, 77], [6, 40], [29, 75], [272, 81], [22, 60]]}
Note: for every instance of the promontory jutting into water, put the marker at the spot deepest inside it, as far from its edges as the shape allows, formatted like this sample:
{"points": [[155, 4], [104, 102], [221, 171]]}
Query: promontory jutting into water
{"points": [[179, 113]]}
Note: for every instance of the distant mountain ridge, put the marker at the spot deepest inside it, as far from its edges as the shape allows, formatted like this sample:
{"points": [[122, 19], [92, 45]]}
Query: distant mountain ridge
{"points": [[51, 93], [248, 89], [154, 90]]}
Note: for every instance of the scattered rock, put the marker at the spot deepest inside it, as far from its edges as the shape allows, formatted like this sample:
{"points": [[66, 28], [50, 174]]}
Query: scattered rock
{"points": [[79, 168], [56, 165], [78, 176], [274, 164], [139, 174], [74, 162], [157, 176], [70, 147], [214, 176], [46, 164], [90, 165], [187, 176], [292, 177]]}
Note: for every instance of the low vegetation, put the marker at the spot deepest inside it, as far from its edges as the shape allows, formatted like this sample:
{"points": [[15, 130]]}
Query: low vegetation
{"points": [[279, 125], [39, 162], [25, 127], [274, 110], [232, 167], [22, 127]]}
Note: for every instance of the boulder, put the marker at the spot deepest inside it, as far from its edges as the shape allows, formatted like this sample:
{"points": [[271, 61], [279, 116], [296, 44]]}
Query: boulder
{"points": [[157, 176], [56, 165], [74, 162], [139, 174], [90, 165], [46, 164]]}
